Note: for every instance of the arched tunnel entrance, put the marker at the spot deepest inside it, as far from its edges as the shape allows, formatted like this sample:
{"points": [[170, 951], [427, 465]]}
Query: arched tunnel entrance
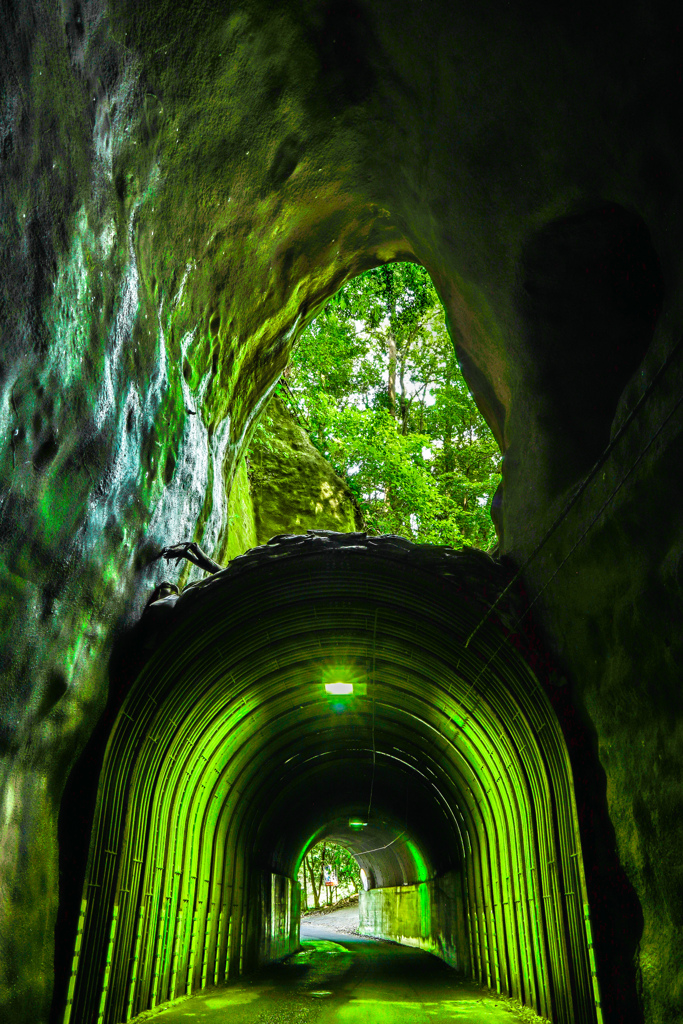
{"points": [[445, 770]]}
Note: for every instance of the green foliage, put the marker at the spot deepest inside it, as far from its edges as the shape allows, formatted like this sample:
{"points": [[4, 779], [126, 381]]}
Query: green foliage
{"points": [[377, 383], [314, 892]]}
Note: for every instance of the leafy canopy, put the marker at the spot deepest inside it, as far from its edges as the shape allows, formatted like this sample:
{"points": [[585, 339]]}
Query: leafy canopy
{"points": [[376, 382]]}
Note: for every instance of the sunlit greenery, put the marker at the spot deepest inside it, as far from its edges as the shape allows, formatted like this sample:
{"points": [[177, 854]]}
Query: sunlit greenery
{"points": [[376, 383], [314, 892]]}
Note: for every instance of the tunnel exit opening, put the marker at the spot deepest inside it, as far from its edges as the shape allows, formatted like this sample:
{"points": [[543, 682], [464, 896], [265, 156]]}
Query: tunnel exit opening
{"points": [[328, 873], [227, 757]]}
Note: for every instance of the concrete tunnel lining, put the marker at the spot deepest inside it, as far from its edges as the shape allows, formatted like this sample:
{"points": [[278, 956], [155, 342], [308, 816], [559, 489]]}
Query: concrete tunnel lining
{"points": [[217, 775]]}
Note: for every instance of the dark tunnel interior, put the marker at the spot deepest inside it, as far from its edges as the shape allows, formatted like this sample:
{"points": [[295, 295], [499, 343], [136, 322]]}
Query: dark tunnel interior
{"points": [[228, 759]]}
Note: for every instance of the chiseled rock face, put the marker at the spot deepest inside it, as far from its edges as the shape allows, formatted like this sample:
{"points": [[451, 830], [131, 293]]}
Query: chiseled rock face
{"points": [[181, 186], [241, 517], [284, 485], [293, 487]]}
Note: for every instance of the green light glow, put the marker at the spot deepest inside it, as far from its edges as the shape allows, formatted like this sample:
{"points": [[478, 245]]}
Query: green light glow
{"points": [[343, 680], [420, 865], [237, 998], [311, 841], [209, 727], [339, 688]]}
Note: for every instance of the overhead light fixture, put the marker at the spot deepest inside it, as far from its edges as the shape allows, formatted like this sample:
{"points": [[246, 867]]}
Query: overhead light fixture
{"points": [[339, 689], [357, 823]]}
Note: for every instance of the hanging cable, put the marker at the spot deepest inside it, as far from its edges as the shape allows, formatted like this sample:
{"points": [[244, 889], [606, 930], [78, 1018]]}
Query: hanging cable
{"points": [[372, 678], [604, 505], [582, 487], [590, 526], [377, 848]]}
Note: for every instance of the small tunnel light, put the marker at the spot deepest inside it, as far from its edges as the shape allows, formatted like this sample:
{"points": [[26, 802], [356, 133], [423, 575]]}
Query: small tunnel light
{"points": [[339, 688], [357, 823]]}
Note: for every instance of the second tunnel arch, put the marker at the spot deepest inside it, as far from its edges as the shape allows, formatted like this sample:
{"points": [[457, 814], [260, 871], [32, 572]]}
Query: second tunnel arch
{"points": [[218, 770]]}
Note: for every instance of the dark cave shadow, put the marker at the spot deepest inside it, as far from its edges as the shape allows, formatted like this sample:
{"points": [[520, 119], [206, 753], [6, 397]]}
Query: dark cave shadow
{"points": [[615, 912]]}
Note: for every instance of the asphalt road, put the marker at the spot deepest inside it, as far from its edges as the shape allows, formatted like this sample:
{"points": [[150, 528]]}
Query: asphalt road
{"points": [[345, 979]]}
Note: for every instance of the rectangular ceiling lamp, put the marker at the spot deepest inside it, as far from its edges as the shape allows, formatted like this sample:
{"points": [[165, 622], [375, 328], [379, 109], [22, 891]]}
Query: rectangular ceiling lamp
{"points": [[339, 689]]}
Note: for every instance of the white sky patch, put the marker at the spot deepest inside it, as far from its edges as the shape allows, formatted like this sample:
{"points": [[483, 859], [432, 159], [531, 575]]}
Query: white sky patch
{"points": [[414, 523]]}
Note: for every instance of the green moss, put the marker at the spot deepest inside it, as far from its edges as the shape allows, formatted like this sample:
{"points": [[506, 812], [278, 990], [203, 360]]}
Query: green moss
{"points": [[241, 519], [293, 487], [284, 486]]}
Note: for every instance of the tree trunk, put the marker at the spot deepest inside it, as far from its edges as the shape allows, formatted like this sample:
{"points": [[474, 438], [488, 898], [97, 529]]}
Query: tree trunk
{"points": [[403, 401], [316, 892], [305, 886], [392, 352], [322, 870]]}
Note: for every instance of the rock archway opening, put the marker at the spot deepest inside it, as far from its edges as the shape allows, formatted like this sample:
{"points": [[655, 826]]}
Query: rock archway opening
{"points": [[228, 757], [186, 184], [374, 395]]}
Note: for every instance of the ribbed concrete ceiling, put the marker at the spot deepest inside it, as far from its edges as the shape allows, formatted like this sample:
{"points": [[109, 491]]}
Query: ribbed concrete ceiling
{"points": [[228, 757]]}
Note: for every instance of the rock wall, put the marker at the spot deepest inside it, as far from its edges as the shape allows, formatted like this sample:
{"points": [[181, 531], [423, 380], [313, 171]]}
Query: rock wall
{"points": [[610, 590], [293, 487], [284, 485], [181, 187], [241, 516]]}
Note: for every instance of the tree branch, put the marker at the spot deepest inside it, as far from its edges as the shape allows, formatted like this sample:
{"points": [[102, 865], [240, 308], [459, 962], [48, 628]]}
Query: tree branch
{"points": [[193, 553]]}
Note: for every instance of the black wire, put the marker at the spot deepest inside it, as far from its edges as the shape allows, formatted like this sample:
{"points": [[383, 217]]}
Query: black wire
{"points": [[582, 487], [604, 505], [372, 677], [590, 526]]}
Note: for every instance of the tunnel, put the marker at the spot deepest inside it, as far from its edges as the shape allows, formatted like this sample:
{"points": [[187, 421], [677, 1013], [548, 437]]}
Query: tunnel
{"points": [[442, 767], [183, 187]]}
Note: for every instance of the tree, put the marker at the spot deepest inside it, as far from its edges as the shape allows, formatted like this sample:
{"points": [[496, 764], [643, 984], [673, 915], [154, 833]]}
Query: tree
{"points": [[376, 381]]}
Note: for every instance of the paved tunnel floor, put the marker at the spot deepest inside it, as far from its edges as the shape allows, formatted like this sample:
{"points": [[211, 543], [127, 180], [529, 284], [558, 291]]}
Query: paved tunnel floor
{"points": [[346, 979]]}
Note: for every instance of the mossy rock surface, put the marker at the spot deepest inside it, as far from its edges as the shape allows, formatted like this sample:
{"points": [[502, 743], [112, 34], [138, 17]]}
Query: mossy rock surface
{"points": [[293, 487], [241, 517], [284, 485]]}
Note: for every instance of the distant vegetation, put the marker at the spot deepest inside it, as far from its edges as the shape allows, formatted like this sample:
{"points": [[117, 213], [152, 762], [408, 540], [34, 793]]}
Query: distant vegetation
{"points": [[376, 383], [314, 892]]}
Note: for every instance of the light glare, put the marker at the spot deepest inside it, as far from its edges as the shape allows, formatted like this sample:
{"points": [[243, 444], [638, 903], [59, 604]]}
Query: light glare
{"points": [[338, 688]]}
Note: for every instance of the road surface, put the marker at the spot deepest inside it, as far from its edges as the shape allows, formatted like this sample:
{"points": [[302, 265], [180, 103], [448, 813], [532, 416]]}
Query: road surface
{"points": [[341, 978]]}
